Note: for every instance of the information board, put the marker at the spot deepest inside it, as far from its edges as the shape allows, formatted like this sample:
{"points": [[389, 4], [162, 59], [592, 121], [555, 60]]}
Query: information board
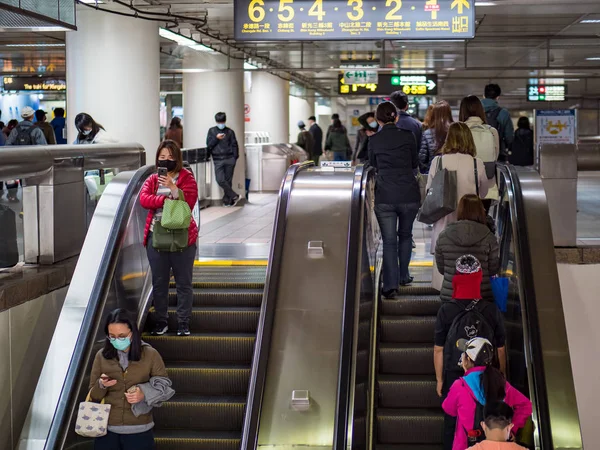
{"points": [[313, 20], [555, 126], [546, 93], [388, 83], [34, 84]]}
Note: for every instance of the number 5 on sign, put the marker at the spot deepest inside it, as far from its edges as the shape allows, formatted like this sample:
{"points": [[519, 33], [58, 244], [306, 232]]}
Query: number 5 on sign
{"points": [[317, 10], [256, 12], [359, 13], [285, 8]]}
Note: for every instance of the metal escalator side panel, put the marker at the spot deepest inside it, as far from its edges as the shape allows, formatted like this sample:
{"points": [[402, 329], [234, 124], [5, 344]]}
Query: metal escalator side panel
{"points": [[113, 245], [546, 350]]}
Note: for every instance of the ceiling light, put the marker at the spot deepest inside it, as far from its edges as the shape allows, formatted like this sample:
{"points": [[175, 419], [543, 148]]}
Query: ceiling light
{"points": [[593, 58], [93, 2], [249, 66], [590, 21], [34, 45], [485, 4], [185, 41]]}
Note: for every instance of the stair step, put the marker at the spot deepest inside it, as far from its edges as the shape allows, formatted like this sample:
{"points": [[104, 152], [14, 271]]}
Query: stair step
{"points": [[196, 440], [412, 426], [252, 283], [418, 289], [411, 305], [407, 329], [406, 359], [209, 379], [222, 297], [198, 413], [408, 391], [218, 319], [204, 347]]}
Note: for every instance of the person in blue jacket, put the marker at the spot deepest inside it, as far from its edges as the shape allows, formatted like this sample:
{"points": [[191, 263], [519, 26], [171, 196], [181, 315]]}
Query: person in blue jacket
{"points": [[499, 118], [58, 123]]}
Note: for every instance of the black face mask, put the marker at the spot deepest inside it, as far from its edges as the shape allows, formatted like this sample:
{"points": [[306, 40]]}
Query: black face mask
{"points": [[168, 164]]}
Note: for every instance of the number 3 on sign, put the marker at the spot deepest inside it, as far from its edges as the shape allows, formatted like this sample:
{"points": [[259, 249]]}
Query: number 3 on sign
{"points": [[357, 9], [284, 7], [256, 12], [392, 14]]}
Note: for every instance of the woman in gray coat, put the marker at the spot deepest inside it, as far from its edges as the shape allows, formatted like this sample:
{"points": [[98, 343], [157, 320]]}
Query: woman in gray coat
{"points": [[469, 235]]}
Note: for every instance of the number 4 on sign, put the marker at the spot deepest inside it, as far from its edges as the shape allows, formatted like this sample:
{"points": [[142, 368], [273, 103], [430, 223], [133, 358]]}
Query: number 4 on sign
{"points": [[460, 4]]}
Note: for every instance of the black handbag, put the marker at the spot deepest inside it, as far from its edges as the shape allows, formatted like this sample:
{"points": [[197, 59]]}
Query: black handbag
{"points": [[441, 198]]}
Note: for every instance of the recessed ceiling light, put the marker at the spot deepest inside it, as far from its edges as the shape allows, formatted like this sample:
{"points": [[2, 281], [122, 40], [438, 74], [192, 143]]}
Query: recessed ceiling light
{"points": [[34, 45], [590, 21], [90, 1], [593, 58], [485, 4], [185, 41]]}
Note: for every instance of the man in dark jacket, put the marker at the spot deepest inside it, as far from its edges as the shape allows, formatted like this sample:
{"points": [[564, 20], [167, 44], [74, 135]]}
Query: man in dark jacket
{"points": [[305, 141], [317, 135], [499, 118], [222, 145], [25, 133], [58, 123], [405, 121], [47, 129]]}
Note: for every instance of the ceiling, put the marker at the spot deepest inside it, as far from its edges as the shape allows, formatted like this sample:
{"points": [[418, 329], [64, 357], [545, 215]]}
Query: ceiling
{"points": [[515, 40]]}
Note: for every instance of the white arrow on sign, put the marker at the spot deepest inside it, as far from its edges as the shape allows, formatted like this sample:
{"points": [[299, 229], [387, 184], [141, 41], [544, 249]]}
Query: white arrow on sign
{"points": [[431, 84]]}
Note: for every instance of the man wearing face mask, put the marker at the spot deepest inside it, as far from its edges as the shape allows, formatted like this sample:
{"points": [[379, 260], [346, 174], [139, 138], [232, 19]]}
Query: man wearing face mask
{"points": [[369, 128], [223, 146]]}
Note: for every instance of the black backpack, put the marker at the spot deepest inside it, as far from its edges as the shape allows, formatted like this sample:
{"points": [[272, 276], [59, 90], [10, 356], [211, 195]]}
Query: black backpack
{"points": [[469, 323], [491, 116], [24, 135]]}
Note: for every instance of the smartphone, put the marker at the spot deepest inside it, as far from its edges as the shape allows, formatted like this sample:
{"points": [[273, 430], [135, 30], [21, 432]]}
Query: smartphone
{"points": [[162, 171], [106, 379]]}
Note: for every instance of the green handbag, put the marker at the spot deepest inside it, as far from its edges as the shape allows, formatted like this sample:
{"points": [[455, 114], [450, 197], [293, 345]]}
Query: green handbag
{"points": [[165, 240], [177, 214]]}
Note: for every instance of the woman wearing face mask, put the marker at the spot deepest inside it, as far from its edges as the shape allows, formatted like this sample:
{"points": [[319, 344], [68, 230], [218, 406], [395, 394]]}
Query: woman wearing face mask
{"points": [[90, 131], [155, 191], [369, 128], [129, 375]]}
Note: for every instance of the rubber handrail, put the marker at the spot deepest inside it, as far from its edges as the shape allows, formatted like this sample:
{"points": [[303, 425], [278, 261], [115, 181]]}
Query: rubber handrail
{"points": [[258, 374], [93, 314]]}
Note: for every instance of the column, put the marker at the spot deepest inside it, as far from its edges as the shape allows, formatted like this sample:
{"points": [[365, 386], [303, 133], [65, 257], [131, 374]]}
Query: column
{"points": [[113, 74], [301, 108], [268, 103], [206, 93]]}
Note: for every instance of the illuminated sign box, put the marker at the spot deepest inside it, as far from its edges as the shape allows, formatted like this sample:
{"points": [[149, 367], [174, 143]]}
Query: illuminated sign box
{"points": [[314, 20], [388, 83], [546, 93], [34, 84]]}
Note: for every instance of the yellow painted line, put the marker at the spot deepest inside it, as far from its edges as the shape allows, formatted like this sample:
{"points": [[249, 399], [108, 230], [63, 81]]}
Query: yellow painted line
{"points": [[421, 264], [231, 263], [131, 276]]}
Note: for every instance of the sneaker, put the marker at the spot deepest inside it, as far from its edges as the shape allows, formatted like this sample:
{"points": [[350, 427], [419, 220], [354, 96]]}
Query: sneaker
{"points": [[390, 294], [160, 329], [183, 329], [236, 200]]}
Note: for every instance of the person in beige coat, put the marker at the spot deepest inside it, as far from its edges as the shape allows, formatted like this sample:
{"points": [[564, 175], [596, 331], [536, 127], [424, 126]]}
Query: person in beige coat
{"points": [[458, 154]]}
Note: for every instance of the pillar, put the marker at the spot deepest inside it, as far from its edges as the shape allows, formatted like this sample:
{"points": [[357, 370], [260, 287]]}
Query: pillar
{"points": [[206, 93], [113, 74], [268, 103], [301, 108]]}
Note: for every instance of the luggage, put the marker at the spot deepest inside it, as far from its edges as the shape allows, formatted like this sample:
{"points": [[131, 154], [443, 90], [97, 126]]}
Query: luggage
{"points": [[441, 198], [9, 250]]}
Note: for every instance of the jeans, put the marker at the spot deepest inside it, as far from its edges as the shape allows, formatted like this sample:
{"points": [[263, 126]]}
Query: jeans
{"points": [[396, 224], [340, 156], [224, 176], [182, 264], [114, 441]]}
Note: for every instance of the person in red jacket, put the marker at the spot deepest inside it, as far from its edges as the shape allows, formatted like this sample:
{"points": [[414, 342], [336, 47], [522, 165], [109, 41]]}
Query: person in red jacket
{"points": [[152, 197]]}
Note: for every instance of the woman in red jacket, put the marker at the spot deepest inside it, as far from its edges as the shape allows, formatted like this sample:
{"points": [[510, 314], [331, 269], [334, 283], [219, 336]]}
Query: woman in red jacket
{"points": [[152, 197]]}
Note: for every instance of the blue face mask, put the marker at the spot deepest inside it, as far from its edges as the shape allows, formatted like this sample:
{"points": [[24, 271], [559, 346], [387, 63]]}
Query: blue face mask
{"points": [[120, 343], [221, 126], [374, 125]]}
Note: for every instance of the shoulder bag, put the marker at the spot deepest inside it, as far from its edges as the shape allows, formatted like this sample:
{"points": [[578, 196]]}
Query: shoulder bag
{"points": [[441, 198], [92, 418]]}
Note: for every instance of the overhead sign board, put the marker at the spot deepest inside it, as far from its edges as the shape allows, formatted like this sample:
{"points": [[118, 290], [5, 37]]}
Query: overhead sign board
{"points": [[556, 126], [360, 76], [388, 83], [313, 20], [546, 93], [34, 84]]}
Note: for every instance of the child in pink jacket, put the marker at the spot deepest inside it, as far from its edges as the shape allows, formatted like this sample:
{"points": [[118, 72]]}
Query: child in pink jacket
{"points": [[477, 359]]}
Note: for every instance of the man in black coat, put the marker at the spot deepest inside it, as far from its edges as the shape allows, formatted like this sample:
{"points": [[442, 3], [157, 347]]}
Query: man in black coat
{"points": [[223, 147], [317, 135]]}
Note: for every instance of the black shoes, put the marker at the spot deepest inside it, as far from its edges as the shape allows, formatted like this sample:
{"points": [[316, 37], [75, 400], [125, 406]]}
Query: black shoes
{"points": [[236, 200], [183, 329], [407, 282], [160, 329], [390, 294]]}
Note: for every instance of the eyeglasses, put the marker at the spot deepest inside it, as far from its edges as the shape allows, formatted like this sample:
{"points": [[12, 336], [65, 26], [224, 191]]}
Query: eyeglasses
{"points": [[119, 338]]}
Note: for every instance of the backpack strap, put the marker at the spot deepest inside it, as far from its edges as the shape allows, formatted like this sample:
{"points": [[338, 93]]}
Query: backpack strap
{"points": [[476, 175]]}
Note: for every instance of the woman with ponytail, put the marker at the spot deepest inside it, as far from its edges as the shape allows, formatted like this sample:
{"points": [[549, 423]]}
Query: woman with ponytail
{"points": [[483, 383]]}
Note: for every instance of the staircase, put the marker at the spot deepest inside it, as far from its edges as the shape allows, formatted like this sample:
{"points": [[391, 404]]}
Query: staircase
{"points": [[210, 369]]}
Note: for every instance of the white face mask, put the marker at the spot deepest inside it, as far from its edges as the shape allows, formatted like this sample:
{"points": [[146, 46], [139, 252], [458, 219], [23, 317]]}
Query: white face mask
{"points": [[86, 132]]}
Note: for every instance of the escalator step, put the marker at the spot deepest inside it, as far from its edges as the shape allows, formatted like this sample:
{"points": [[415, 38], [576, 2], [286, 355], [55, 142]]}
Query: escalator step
{"points": [[221, 297], [224, 348], [413, 426], [196, 440], [209, 379], [219, 319], [252, 283], [406, 359], [417, 289], [192, 412], [410, 447], [408, 391], [411, 305], [407, 329]]}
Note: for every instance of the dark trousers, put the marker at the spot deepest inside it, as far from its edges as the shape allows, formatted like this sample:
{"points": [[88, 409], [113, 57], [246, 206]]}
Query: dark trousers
{"points": [[114, 441], [182, 264], [224, 175], [396, 224], [449, 422]]}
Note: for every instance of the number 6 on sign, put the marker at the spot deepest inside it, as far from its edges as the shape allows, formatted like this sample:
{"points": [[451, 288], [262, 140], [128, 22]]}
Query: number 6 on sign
{"points": [[317, 10], [255, 11], [284, 7], [357, 9]]}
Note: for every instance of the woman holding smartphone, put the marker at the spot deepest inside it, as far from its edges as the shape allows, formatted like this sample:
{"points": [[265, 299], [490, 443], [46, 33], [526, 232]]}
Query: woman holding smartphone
{"points": [[127, 368], [171, 179]]}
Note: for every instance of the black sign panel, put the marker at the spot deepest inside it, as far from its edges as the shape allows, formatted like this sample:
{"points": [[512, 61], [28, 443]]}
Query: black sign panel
{"points": [[546, 93], [388, 83], [34, 84], [313, 20]]}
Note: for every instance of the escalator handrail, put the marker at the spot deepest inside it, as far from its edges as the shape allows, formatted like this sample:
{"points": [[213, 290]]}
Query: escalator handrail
{"points": [[258, 373], [91, 320]]}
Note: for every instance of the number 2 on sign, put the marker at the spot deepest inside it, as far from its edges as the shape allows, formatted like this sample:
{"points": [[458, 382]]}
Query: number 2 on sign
{"points": [[284, 7], [392, 14], [317, 10], [357, 9], [256, 12]]}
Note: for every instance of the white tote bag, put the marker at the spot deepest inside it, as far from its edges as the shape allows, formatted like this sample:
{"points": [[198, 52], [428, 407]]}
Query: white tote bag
{"points": [[92, 418]]}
